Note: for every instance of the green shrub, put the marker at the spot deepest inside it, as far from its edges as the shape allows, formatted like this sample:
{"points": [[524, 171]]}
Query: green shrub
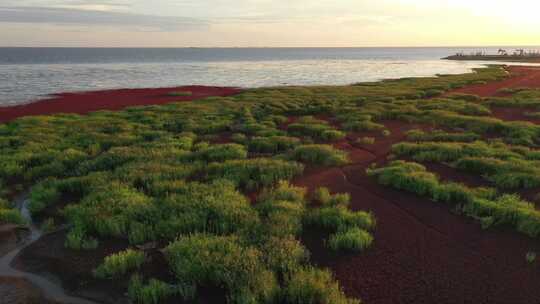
{"points": [[317, 129], [284, 255], [282, 209], [324, 155], [77, 239], [239, 138], [332, 135], [339, 218], [253, 173], [119, 263], [310, 285], [322, 195], [11, 216], [43, 195], [155, 291], [272, 144], [219, 153], [216, 207], [438, 135], [354, 239], [108, 211], [222, 262]]}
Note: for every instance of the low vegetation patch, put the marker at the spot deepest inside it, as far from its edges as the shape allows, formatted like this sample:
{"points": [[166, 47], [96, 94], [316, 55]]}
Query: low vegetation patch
{"points": [[324, 155], [479, 203], [120, 263]]}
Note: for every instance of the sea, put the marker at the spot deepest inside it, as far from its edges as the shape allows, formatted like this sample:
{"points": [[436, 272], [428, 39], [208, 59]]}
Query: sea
{"points": [[28, 74]]}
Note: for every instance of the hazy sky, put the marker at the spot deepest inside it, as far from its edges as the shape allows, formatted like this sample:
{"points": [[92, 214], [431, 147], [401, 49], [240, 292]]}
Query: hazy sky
{"points": [[170, 23]]}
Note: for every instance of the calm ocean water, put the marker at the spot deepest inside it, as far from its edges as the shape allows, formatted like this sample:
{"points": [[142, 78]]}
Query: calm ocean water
{"points": [[27, 74]]}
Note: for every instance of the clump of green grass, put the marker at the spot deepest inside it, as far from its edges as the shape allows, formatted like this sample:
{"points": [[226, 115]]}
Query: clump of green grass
{"points": [[323, 196], [219, 153], [120, 263], [441, 136], [156, 291], [324, 155], [273, 144], [311, 285], [317, 129], [354, 239]]}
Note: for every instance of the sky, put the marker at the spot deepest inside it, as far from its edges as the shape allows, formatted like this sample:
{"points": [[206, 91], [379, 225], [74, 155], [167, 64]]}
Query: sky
{"points": [[268, 23]]}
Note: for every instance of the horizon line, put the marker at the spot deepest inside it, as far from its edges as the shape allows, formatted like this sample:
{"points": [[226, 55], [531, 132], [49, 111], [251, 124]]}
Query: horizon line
{"points": [[270, 47]]}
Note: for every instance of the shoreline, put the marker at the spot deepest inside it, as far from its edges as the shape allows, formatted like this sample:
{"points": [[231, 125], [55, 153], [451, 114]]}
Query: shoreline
{"points": [[116, 99], [84, 102]]}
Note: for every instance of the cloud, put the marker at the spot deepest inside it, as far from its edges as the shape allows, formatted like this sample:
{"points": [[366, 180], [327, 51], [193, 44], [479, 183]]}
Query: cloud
{"points": [[76, 16]]}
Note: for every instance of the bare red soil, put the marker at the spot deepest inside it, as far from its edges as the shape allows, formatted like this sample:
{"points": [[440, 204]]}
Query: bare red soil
{"points": [[520, 77], [85, 102], [422, 253]]}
